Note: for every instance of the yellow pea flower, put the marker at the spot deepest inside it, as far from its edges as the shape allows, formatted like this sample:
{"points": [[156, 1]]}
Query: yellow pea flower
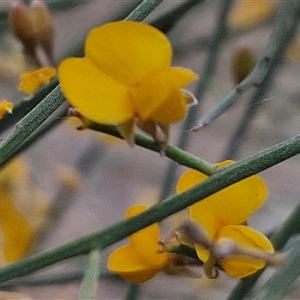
{"points": [[32, 81], [126, 74], [5, 107], [139, 261], [223, 216], [247, 13]]}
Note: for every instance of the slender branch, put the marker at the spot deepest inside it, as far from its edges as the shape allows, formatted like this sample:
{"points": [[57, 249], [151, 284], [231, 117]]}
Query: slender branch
{"points": [[167, 21], [256, 101], [24, 106], [90, 277], [279, 238], [279, 284], [206, 75], [30, 123], [100, 240], [54, 99], [288, 10], [180, 156], [143, 10]]}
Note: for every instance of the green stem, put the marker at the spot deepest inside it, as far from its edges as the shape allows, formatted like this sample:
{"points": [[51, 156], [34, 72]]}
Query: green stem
{"points": [[54, 99], [100, 240], [279, 238], [90, 277], [132, 292], [288, 10], [180, 156], [206, 75], [279, 284], [168, 20], [143, 10], [30, 123]]}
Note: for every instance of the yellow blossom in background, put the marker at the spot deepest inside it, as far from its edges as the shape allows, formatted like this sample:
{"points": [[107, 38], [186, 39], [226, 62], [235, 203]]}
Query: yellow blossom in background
{"points": [[139, 261], [32, 81], [5, 107], [223, 216], [20, 212], [126, 75], [246, 13]]}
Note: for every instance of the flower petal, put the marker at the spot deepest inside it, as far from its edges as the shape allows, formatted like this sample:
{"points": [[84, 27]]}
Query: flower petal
{"points": [[127, 51], [32, 81], [5, 106], [248, 13], [145, 240], [239, 266], [230, 206], [157, 97], [97, 96], [128, 262], [17, 233]]}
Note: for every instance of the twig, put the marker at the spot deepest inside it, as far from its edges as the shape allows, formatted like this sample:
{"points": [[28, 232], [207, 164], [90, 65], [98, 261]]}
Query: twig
{"points": [[256, 101], [286, 12], [100, 240]]}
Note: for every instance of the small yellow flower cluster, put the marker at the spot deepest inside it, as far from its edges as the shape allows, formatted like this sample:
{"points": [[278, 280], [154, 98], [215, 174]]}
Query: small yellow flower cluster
{"points": [[126, 78], [139, 261], [23, 211], [32, 81], [227, 242], [224, 214], [33, 26], [5, 107], [247, 13]]}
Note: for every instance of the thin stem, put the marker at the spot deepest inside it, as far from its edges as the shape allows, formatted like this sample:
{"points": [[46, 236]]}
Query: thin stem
{"points": [[90, 277], [256, 101], [206, 76], [54, 99], [100, 240], [53, 279], [279, 284], [30, 123], [132, 292], [287, 11], [180, 156], [279, 238], [167, 21], [143, 10], [24, 106]]}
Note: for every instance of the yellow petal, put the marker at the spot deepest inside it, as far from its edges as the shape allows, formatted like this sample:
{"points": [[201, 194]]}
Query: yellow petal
{"points": [[128, 262], [98, 97], [249, 12], [146, 239], [157, 97], [5, 106], [216, 211], [239, 266], [31, 81], [127, 51], [17, 233]]}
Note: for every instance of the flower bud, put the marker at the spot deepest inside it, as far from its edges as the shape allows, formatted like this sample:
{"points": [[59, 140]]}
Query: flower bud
{"points": [[43, 23], [33, 26], [21, 24], [242, 64]]}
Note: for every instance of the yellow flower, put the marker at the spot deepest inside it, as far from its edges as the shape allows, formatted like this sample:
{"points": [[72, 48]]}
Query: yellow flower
{"points": [[223, 216], [32, 81], [139, 261], [5, 106], [126, 74], [247, 13]]}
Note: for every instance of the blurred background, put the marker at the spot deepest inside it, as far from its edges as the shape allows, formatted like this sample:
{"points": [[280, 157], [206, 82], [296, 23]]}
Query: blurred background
{"points": [[86, 180]]}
